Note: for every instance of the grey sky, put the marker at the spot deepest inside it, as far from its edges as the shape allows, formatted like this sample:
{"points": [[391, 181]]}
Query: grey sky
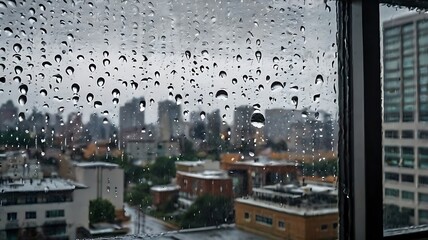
{"points": [[296, 40]]}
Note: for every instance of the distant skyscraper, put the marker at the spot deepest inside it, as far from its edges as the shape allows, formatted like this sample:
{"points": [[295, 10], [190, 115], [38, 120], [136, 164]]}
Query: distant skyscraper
{"points": [[170, 121], [131, 118], [8, 115], [242, 130], [405, 116]]}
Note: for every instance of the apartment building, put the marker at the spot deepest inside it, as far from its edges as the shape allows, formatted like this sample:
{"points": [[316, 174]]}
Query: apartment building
{"points": [[42, 209]]}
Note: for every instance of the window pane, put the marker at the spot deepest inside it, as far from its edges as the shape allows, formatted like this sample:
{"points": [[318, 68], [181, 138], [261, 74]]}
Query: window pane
{"points": [[405, 111], [199, 113]]}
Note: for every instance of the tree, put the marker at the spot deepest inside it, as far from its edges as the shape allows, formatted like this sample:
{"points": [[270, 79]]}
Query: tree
{"points": [[162, 170], [139, 196], [101, 210], [208, 211]]}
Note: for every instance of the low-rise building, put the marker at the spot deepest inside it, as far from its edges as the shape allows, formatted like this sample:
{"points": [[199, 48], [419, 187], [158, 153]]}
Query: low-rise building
{"points": [[42, 209], [162, 195], [104, 180], [193, 185], [290, 212], [258, 172]]}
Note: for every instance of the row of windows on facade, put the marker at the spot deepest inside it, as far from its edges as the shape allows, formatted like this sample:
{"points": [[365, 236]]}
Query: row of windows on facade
{"points": [[406, 134], [280, 223], [400, 91], [406, 195], [406, 158], [34, 199], [13, 216]]}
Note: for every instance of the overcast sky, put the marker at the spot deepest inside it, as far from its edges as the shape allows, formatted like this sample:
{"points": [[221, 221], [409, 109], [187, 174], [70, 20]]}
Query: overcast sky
{"points": [[186, 51]]}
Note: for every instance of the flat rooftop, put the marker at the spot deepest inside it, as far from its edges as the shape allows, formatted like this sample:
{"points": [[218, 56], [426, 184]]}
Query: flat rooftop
{"points": [[38, 185], [165, 188], [96, 164], [208, 174], [283, 208]]}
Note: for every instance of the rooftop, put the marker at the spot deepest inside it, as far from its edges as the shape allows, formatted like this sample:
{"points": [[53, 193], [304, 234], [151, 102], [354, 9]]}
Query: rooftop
{"points": [[95, 164], [301, 211], [165, 188], [42, 185], [212, 174]]}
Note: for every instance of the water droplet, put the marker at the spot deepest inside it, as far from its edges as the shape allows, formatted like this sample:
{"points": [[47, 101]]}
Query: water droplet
{"points": [[46, 64], [317, 97], [295, 101], [75, 88], [22, 100], [69, 70], [178, 99], [21, 116], [276, 86], [221, 94], [89, 97], [258, 56], [115, 100], [105, 54], [142, 106], [258, 119], [238, 58], [134, 85], [80, 57], [58, 78], [302, 29], [17, 47], [8, 31], [43, 92], [234, 81], [98, 104], [157, 83], [157, 74], [92, 67], [188, 54], [319, 79], [115, 93], [23, 89], [222, 74], [202, 115], [58, 58], [18, 70], [105, 121], [106, 62], [100, 82], [122, 58]]}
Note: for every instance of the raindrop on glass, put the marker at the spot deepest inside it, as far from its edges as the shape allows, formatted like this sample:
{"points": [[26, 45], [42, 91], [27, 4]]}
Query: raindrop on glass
{"points": [[100, 82], [17, 47], [258, 119], [92, 67], [276, 86], [142, 106], [89, 97], [319, 79], [75, 88], [22, 100], [258, 56], [69, 70], [221, 94], [295, 101]]}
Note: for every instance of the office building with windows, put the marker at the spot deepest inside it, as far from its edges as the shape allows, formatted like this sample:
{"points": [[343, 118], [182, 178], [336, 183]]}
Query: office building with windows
{"points": [[42, 209], [405, 115]]}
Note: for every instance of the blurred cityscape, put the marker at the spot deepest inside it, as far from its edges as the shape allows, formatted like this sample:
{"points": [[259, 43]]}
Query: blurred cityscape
{"points": [[267, 174]]}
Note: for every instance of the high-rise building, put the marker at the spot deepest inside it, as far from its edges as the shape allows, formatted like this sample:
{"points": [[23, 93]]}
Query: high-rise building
{"points": [[170, 121], [8, 115], [242, 131], [131, 119], [405, 115]]}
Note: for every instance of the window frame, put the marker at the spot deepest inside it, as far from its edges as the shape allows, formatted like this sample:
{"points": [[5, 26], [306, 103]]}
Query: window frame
{"points": [[360, 121]]}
